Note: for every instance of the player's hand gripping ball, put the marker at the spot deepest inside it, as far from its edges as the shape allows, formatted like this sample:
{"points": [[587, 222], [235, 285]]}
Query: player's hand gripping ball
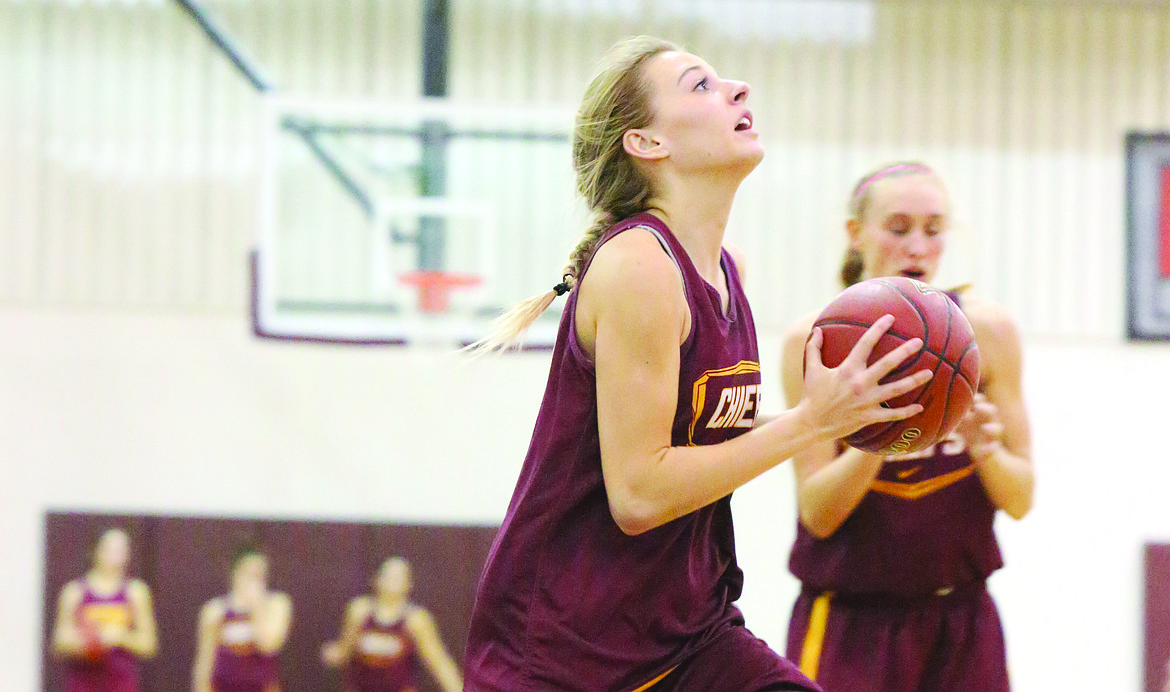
{"points": [[948, 350]]}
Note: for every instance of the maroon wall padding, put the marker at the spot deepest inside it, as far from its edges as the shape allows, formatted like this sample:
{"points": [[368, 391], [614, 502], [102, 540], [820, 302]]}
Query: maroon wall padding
{"points": [[1157, 615], [321, 565]]}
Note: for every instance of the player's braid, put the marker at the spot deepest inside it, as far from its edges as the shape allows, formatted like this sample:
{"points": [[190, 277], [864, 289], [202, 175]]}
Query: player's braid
{"points": [[631, 202], [584, 249]]}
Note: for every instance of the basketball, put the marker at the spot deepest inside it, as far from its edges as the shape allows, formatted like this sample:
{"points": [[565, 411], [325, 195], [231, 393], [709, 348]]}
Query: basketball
{"points": [[949, 351], [93, 650]]}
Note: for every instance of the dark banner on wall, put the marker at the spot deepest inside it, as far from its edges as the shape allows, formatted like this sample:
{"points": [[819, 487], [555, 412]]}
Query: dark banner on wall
{"points": [[1147, 184], [321, 565]]}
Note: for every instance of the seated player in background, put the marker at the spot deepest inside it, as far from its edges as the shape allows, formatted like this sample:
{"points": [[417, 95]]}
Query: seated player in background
{"points": [[241, 634], [105, 622], [893, 553], [384, 637]]}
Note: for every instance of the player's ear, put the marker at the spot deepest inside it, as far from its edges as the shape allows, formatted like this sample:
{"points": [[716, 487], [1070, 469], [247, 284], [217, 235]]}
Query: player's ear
{"points": [[642, 144], [853, 227]]}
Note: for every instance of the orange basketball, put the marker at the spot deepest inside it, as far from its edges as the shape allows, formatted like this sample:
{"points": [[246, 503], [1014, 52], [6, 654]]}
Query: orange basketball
{"points": [[93, 649], [949, 350]]}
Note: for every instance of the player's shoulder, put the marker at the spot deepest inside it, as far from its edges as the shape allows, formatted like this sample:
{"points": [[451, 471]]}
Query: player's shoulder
{"points": [[633, 269], [137, 588], [738, 259], [992, 323], [417, 615], [794, 339], [631, 254], [279, 598], [796, 333], [213, 609], [360, 606], [73, 589]]}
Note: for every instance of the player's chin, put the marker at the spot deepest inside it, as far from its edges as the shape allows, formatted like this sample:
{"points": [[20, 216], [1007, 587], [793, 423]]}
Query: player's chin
{"points": [[749, 156], [749, 143]]}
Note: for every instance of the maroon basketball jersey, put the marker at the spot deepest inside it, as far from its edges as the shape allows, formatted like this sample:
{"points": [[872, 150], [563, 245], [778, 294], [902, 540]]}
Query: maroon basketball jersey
{"points": [[567, 601], [925, 524], [104, 670], [384, 659], [239, 665]]}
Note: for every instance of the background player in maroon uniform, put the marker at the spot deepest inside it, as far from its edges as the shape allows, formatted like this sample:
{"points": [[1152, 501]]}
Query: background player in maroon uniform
{"points": [[241, 634], [105, 622], [384, 636], [893, 552], [615, 566]]}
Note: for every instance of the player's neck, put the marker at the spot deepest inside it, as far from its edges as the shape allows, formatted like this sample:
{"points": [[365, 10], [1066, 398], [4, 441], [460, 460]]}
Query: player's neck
{"points": [[697, 216], [240, 602], [389, 606], [105, 579]]}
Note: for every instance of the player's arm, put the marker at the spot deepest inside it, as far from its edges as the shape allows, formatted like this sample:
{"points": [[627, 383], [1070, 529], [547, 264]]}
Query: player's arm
{"points": [[272, 622], [68, 639], [210, 618], [421, 625], [997, 431], [339, 652], [828, 486], [142, 640], [632, 317]]}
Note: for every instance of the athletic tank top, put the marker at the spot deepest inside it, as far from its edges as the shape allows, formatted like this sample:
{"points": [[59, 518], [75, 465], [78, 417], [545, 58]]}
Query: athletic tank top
{"points": [[385, 658], [926, 524], [239, 665], [567, 601], [97, 613]]}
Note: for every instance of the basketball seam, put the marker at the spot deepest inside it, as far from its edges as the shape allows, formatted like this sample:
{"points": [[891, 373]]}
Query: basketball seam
{"points": [[974, 387], [947, 402], [903, 337], [941, 356], [956, 366], [925, 326], [885, 429]]}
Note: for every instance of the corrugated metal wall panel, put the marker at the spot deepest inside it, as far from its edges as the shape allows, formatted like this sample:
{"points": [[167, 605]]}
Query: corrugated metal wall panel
{"points": [[9, 140], [21, 161], [132, 155]]}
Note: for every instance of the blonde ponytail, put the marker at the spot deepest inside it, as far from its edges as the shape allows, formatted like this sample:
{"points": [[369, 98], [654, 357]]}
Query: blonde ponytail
{"points": [[509, 328], [617, 100]]}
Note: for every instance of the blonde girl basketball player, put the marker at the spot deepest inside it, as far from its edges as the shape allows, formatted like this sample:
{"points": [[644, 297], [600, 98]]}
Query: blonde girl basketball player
{"points": [[893, 552], [615, 566]]}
